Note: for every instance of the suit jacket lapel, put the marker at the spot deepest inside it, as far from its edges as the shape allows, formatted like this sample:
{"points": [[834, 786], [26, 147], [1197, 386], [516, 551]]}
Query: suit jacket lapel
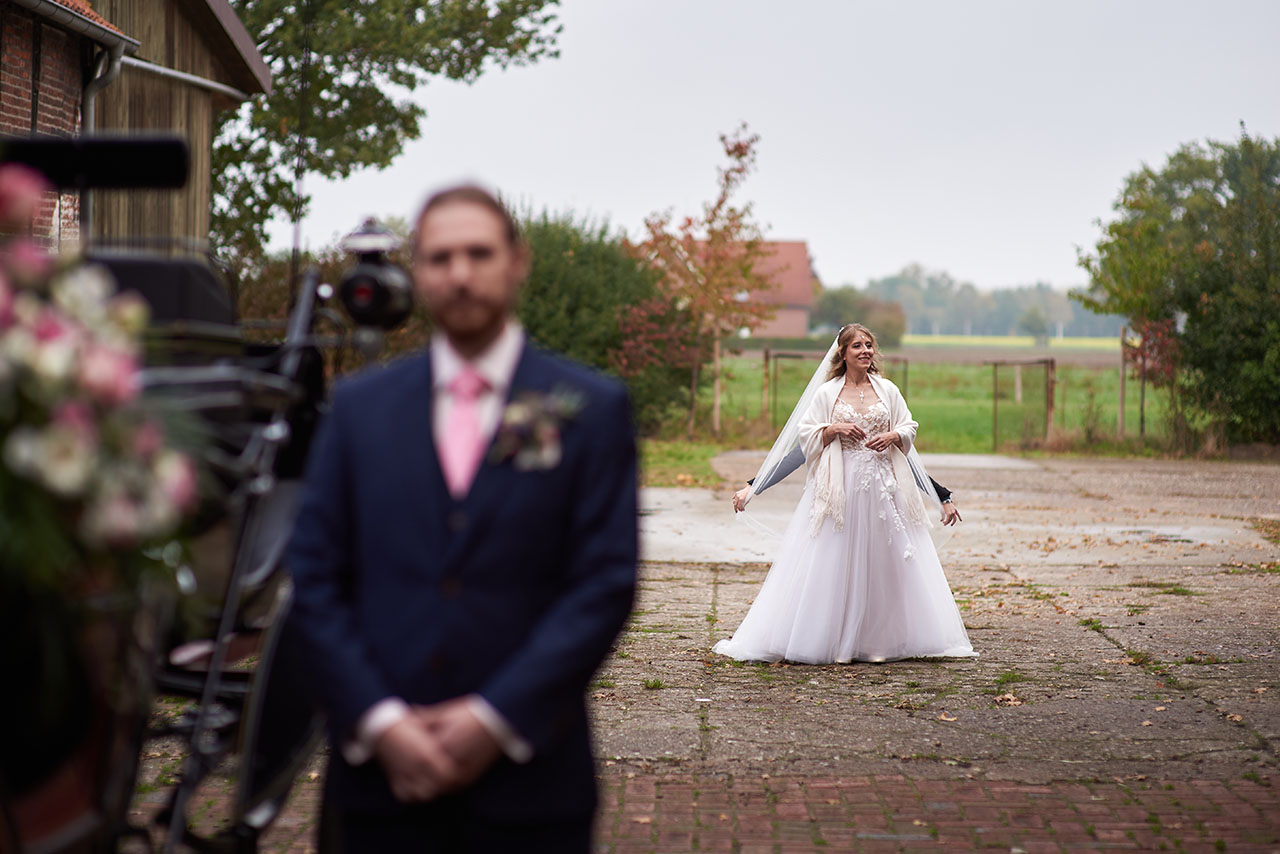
{"points": [[421, 456]]}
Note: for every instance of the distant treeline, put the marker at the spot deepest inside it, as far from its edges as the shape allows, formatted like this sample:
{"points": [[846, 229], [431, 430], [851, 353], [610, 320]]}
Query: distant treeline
{"points": [[934, 303]]}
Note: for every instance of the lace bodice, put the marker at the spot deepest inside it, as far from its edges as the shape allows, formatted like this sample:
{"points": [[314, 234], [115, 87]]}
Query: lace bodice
{"points": [[874, 420]]}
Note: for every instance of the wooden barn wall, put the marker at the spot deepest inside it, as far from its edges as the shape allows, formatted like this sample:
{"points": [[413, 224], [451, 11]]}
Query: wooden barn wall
{"points": [[142, 101], [139, 100], [167, 35]]}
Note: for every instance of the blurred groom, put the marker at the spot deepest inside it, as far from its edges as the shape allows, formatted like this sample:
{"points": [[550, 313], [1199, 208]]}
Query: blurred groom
{"points": [[464, 557]]}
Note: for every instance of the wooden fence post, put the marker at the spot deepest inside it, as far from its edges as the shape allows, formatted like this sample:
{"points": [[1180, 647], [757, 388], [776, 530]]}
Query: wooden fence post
{"points": [[1142, 399], [1120, 411], [1050, 382], [995, 407], [764, 394]]}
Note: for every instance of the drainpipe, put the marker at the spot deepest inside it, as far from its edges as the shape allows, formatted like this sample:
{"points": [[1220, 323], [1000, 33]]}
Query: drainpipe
{"points": [[190, 79], [106, 68]]}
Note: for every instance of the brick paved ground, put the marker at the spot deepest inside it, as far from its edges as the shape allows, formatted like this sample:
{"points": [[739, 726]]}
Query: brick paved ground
{"points": [[1126, 696], [893, 812]]}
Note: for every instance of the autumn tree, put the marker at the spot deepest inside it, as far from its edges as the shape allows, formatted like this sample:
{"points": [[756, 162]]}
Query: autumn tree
{"points": [[342, 72], [708, 267]]}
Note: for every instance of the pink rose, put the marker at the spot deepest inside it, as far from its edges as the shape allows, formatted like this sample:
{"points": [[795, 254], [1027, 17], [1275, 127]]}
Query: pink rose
{"points": [[50, 326], [109, 374], [20, 191], [26, 262]]}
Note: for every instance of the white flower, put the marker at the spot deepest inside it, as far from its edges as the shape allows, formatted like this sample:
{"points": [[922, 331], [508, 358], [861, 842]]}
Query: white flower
{"points": [[54, 361], [61, 457], [538, 457], [83, 293], [21, 449]]}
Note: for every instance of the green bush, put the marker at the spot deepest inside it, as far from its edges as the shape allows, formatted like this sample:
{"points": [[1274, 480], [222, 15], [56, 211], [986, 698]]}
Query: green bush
{"points": [[582, 285]]}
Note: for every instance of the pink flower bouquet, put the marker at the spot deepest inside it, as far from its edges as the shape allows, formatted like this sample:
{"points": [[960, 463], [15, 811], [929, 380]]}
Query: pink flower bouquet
{"points": [[88, 480]]}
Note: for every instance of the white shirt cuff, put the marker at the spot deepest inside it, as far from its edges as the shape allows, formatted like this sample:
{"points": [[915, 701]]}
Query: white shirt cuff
{"points": [[513, 745], [379, 718]]}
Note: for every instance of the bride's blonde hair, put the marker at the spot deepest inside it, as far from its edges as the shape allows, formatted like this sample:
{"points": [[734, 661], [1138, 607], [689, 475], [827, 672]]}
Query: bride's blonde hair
{"points": [[847, 332]]}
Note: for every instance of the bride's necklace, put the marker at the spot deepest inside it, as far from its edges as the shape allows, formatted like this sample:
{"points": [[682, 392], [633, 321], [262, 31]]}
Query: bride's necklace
{"points": [[858, 389]]}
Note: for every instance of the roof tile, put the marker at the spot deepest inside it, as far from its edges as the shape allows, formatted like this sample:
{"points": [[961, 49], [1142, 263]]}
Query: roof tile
{"points": [[82, 7]]}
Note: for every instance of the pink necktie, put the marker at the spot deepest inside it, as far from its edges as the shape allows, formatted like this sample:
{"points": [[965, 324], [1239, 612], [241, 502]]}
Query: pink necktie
{"points": [[462, 445]]}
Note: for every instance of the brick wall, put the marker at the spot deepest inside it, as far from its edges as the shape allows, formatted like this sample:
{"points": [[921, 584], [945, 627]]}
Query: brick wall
{"points": [[17, 40], [40, 89]]}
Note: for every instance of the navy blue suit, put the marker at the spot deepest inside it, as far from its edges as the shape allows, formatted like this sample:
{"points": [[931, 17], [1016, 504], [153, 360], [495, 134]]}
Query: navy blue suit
{"points": [[516, 591]]}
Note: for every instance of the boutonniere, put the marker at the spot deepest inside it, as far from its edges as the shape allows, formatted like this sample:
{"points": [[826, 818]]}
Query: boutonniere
{"points": [[529, 433]]}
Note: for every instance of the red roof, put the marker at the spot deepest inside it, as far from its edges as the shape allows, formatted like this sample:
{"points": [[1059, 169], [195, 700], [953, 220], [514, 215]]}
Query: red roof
{"points": [[82, 8], [786, 263]]}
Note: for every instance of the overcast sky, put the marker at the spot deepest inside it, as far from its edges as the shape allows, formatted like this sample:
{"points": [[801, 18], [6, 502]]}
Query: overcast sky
{"points": [[980, 138]]}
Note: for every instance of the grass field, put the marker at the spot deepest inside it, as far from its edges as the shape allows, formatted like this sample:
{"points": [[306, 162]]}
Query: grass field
{"points": [[953, 404]]}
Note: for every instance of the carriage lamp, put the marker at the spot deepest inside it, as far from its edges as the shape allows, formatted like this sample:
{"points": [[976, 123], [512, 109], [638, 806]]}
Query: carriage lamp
{"points": [[375, 291]]}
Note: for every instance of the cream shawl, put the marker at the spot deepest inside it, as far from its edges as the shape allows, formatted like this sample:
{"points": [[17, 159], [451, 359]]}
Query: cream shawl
{"points": [[826, 463]]}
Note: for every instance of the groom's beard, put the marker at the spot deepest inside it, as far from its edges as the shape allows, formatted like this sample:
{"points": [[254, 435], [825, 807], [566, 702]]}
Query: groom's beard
{"points": [[469, 320]]}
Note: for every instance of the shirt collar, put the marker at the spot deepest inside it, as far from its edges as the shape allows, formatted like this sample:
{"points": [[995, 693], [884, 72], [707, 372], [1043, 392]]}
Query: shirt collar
{"points": [[497, 364]]}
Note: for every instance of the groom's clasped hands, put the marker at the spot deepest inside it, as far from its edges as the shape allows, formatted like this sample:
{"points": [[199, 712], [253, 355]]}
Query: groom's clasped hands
{"points": [[435, 750]]}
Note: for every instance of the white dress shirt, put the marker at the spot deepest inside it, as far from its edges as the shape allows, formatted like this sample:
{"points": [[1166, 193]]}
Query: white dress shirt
{"points": [[497, 365]]}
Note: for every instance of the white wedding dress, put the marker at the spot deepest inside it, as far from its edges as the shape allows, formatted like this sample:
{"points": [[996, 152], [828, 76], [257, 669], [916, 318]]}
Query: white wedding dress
{"points": [[874, 591]]}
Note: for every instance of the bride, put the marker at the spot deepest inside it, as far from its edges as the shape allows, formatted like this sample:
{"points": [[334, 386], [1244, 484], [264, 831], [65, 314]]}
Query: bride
{"points": [[857, 576]]}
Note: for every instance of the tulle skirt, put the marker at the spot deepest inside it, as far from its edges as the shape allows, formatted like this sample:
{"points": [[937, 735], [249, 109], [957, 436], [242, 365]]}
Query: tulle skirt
{"points": [[874, 591]]}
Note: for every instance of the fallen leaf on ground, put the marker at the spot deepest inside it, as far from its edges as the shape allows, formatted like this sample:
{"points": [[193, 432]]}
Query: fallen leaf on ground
{"points": [[1009, 699], [1146, 723], [943, 716]]}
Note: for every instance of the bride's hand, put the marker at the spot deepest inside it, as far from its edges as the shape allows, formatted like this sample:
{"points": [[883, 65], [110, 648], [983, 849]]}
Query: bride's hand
{"points": [[846, 428], [882, 441], [740, 499]]}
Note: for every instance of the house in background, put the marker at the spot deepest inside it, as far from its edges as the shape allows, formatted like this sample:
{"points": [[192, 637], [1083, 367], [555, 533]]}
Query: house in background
{"points": [[126, 65], [788, 265], [48, 51]]}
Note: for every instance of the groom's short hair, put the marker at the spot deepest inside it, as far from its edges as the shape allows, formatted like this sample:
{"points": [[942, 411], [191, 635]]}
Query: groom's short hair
{"points": [[474, 194]]}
